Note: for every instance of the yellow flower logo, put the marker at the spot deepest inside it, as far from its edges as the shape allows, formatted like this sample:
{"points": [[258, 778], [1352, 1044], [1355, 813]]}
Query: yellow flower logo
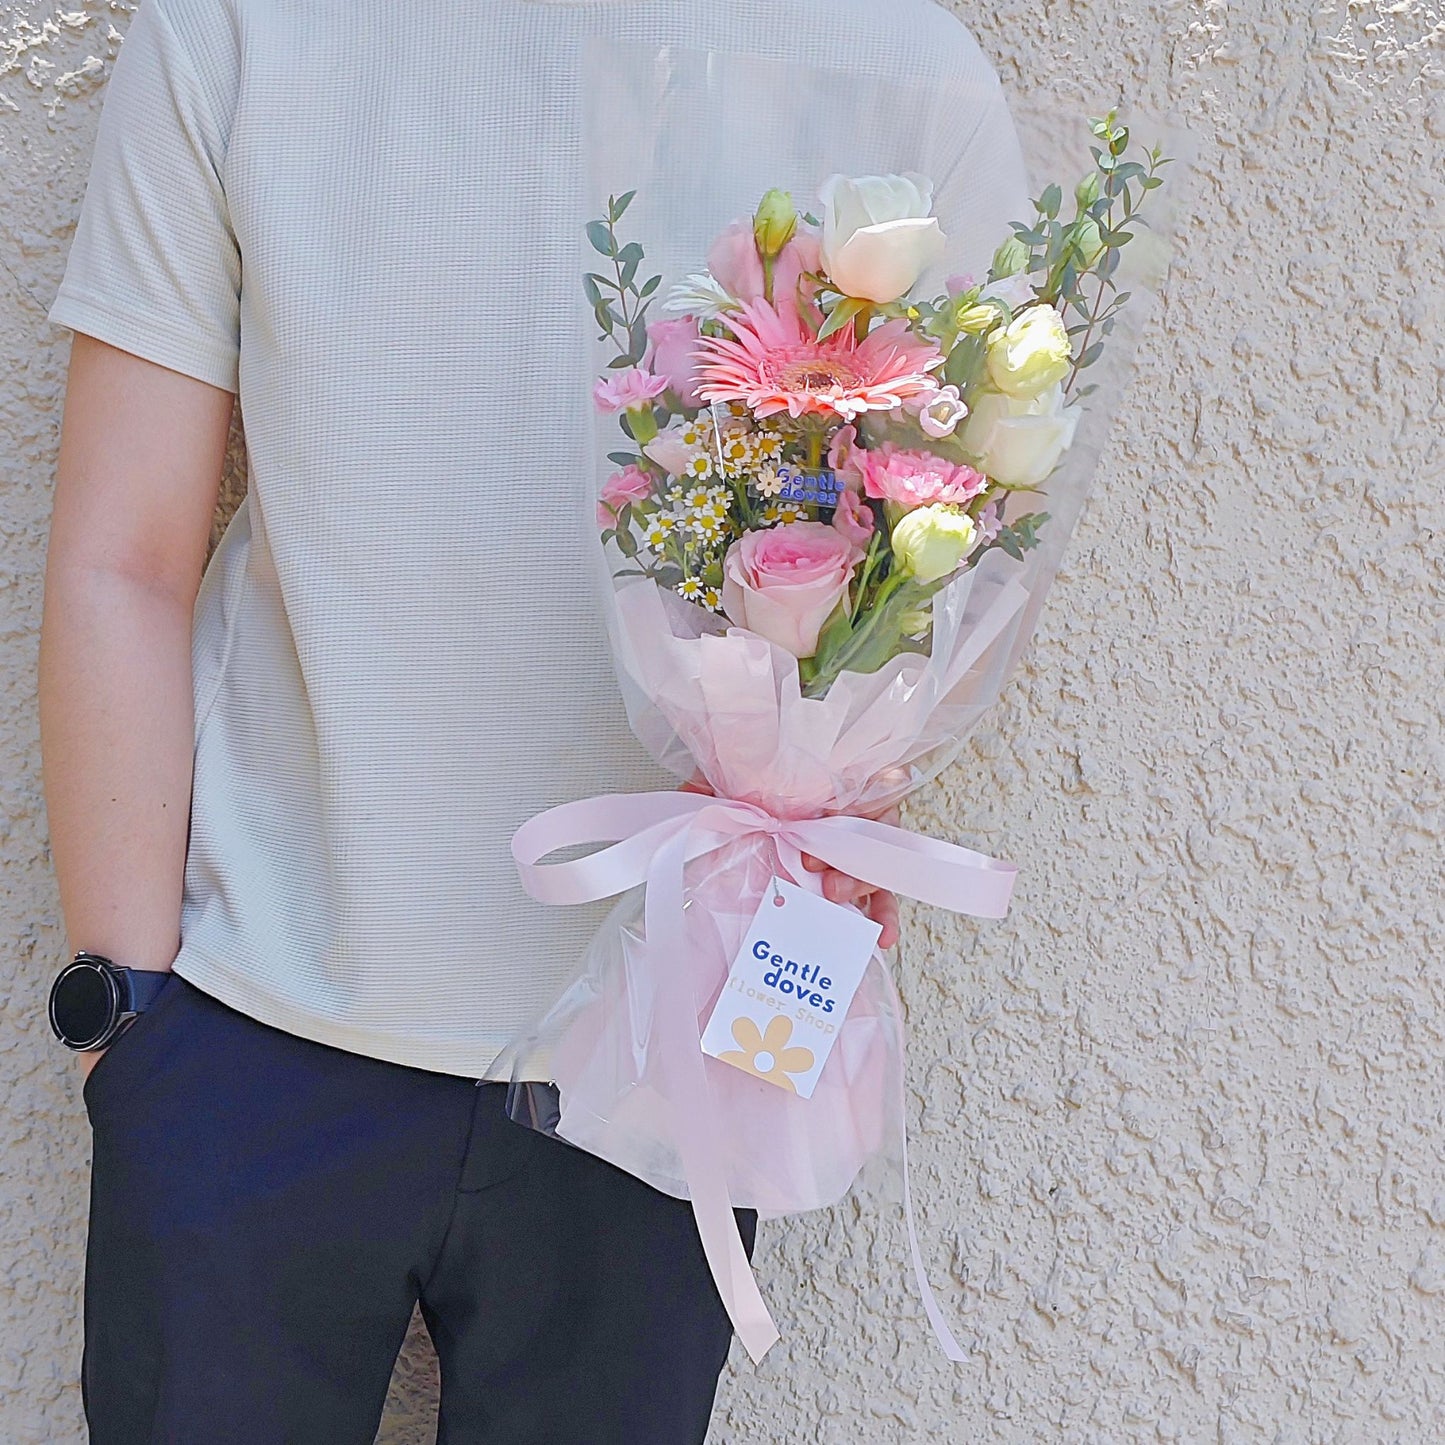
{"points": [[767, 1054]]}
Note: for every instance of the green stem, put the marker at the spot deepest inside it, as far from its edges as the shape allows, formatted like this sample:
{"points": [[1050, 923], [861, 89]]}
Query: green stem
{"points": [[862, 584]]}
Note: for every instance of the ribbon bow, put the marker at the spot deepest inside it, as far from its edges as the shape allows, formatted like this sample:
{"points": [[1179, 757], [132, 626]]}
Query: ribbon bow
{"points": [[651, 837]]}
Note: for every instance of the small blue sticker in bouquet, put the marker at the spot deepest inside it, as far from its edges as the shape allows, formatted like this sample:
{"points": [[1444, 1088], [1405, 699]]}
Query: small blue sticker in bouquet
{"points": [[802, 485], [790, 986]]}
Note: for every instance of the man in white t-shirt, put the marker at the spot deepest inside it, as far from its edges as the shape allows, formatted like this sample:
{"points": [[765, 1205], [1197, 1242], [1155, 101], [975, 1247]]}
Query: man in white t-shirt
{"points": [[281, 792]]}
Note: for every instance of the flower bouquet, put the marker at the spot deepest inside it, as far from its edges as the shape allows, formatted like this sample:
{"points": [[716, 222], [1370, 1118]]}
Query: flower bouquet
{"points": [[818, 521]]}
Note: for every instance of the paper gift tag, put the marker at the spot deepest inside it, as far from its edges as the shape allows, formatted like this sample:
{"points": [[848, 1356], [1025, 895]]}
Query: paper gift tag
{"points": [[789, 988]]}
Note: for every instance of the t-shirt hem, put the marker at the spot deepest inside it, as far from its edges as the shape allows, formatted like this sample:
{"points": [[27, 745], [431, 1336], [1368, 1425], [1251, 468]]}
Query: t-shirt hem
{"points": [[472, 1060], [147, 337]]}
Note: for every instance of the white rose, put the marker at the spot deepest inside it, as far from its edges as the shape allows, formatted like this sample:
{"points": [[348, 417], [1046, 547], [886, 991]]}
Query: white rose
{"points": [[879, 235], [1018, 440]]}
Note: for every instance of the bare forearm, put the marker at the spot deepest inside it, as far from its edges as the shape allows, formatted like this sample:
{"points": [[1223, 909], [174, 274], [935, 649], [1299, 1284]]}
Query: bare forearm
{"points": [[116, 734]]}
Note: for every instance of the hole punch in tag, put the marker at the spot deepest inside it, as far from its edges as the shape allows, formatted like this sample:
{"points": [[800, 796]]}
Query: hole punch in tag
{"points": [[790, 987]]}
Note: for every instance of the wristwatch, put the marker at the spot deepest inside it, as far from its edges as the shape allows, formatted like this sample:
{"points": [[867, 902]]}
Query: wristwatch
{"points": [[93, 999]]}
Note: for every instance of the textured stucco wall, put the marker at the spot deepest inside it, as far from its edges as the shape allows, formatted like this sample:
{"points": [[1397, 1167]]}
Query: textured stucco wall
{"points": [[1179, 1121]]}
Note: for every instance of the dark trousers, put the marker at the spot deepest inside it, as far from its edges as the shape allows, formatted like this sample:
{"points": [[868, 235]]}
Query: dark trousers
{"points": [[266, 1211]]}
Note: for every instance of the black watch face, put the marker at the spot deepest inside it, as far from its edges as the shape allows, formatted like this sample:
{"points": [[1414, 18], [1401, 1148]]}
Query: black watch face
{"points": [[83, 1005]]}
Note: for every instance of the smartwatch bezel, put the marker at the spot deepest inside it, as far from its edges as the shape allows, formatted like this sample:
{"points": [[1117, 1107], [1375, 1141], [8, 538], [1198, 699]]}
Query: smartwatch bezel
{"points": [[92, 963]]}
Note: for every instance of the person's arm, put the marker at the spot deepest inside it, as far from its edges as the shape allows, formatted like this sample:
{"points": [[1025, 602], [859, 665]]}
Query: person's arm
{"points": [[142, 449]]}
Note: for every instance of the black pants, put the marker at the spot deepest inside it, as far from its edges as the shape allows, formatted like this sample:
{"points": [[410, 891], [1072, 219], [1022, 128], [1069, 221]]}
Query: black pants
{"points": [[265, 1212]]}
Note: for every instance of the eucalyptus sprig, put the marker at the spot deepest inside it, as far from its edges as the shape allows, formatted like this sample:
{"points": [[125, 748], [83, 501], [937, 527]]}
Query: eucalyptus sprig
{"points": [[617, 301], [1019, 536], [1086, 248]]}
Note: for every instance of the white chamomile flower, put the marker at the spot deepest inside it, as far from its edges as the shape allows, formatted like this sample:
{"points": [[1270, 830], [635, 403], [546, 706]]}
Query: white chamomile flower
{"points": [[699, 467], [737, 452], [768, 483], [691, 588], [780, 512], [712, 597], [701, 295]]}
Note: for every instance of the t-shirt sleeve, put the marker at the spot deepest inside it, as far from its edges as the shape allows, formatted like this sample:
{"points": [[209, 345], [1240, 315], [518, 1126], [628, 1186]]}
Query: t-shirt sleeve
{"points": [[154, 267]]}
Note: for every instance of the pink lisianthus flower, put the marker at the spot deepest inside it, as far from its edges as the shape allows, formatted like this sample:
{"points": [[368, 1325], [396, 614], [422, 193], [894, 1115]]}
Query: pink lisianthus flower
{"points": [[853, 517], [938, 412], [783, 582], [631, 484], [670, 452], [916, 479], [989, 522], [736, 265], [627, 390], [841, 454], [671, 355]]}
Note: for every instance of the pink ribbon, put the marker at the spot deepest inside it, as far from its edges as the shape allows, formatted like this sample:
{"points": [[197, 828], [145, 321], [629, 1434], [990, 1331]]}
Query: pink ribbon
{"points": [[652, 836]]}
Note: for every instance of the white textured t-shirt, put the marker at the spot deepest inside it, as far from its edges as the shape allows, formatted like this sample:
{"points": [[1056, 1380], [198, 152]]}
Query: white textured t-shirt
{"points": [[364, 218]]}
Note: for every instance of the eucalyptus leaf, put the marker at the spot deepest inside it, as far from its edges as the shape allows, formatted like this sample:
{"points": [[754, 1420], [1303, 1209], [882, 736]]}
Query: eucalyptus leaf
{"points": [[600, 234]]}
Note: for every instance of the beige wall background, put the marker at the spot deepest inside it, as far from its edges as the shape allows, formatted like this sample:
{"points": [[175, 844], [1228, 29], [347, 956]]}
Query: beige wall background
{"points": [[1179, 1121]]}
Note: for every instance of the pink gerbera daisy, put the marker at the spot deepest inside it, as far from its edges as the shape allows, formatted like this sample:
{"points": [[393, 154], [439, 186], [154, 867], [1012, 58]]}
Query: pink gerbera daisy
{"points": [[774, 363]]}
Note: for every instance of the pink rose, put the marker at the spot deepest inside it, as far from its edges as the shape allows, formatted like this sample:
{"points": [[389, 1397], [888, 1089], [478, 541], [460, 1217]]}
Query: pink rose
{"points": [[784, 581], [802, 254], [673, 342], [735, 263], [631, 484], [624, 390], [737, 267], [915, 479], [853, 517]]}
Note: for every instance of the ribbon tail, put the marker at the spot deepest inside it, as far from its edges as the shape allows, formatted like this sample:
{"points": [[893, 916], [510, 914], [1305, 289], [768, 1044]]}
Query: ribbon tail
{"points": [[692, 1108], [945, 1336]]}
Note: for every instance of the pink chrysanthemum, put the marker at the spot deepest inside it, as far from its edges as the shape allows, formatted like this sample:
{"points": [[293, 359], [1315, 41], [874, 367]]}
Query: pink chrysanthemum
{"points": [[773, 363]]}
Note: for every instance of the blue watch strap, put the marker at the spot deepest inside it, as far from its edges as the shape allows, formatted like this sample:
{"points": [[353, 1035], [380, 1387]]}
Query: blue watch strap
{"points": [[143, 986]]}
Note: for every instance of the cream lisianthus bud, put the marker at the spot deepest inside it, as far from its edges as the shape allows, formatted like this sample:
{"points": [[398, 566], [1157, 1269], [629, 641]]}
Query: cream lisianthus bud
{"points": [[1031, 353], [930, 542], [975, 320], [879, 235], [1087, 191], [775, 223], [1010, 258], [1089, 243]]}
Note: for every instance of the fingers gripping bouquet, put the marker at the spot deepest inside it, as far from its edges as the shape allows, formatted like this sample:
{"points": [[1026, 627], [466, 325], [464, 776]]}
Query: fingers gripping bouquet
{"points": [[821, 516]]}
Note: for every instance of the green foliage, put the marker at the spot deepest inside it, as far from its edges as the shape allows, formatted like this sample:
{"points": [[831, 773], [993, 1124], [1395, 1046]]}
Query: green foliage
{"points": [[619, 304], [1020, 536], [1079, 257], [844, 312]]}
